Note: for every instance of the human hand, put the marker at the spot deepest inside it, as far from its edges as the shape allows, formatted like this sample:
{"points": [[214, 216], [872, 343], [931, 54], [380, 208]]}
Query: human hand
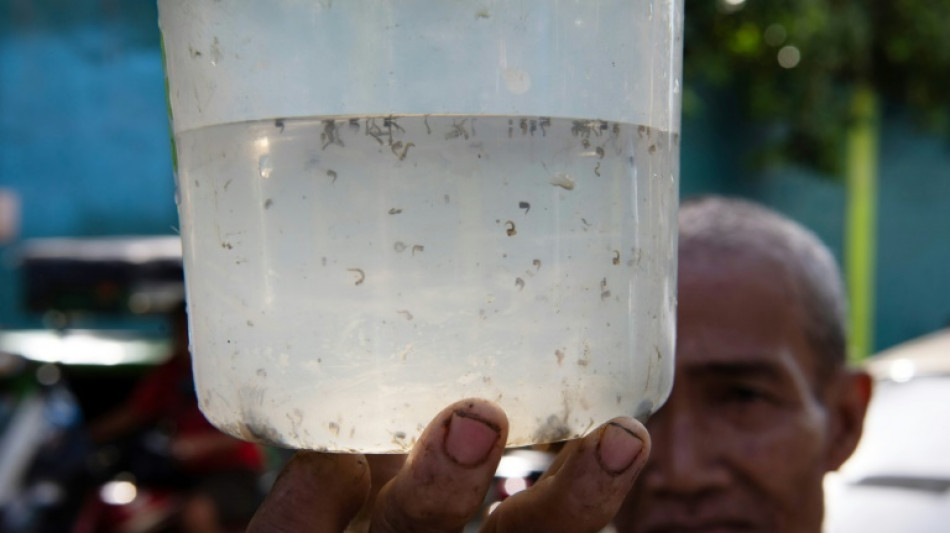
{"points": [[443, 482]]}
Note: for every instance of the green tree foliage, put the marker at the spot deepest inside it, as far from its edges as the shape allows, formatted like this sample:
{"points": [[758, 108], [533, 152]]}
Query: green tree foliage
{"points": [[794, 65]]}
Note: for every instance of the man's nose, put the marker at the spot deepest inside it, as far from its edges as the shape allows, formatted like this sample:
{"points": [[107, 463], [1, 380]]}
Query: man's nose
{"points": [[686, 459]]}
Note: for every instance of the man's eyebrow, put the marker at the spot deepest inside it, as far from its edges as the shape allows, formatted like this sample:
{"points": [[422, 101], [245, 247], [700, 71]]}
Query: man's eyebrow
{"points": [[746, 368]]}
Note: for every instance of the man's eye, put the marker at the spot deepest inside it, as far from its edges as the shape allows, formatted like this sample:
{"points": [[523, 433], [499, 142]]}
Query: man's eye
{"points": [[743, 394]]}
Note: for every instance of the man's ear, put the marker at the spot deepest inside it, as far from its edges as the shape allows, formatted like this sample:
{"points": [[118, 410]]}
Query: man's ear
{"points": [[848, 395]]}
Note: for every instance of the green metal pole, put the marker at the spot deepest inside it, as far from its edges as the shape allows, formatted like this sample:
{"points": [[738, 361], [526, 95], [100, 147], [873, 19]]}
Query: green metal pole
{"points": [[861, 168]]}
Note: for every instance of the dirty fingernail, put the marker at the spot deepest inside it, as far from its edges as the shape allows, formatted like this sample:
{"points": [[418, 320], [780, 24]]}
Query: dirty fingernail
{"points": [[618, 448], [469, 439]]}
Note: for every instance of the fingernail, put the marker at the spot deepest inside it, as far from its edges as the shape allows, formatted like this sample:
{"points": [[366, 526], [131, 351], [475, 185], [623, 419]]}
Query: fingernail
{"points": [[469, 440], [618, 448]]}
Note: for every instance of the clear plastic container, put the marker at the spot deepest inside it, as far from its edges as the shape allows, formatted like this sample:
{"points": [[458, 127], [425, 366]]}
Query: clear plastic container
{"points": [[387, 206]]}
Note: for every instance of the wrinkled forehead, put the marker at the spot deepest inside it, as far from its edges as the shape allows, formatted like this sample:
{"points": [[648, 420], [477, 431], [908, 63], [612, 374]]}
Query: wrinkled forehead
{"points": [[739, 305], [724, 267]]}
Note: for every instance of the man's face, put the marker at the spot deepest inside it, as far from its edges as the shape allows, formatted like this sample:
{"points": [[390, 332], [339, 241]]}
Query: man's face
{"points": [[742, 443]]}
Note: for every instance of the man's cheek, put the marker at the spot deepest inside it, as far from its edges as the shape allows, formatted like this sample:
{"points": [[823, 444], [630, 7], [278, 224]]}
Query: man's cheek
{"points": [[783, 462]]}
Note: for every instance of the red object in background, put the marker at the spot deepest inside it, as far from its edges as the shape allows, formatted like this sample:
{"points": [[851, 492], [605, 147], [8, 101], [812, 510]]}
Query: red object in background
{"points": [[167, 395]]}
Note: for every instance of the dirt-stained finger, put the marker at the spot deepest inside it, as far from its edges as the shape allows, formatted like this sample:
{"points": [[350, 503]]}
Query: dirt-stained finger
{"points": [[315, 492], [444, 481], [591, 477]]}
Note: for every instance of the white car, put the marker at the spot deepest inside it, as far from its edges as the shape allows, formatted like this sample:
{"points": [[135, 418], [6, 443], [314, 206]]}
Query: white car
{"points": [[898, 480]]}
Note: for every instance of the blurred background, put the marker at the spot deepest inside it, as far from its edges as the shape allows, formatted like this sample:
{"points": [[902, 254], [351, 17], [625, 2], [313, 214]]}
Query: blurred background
{"points": [[834, 112]]}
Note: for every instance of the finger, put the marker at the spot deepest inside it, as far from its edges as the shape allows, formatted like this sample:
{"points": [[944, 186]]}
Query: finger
{"points": [[382, 467], [315, 492], [562, 455], [590, 480], [445, 478]]}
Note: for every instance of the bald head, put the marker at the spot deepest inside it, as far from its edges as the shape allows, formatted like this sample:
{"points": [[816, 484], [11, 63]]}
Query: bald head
{"points": [[720, 230]]}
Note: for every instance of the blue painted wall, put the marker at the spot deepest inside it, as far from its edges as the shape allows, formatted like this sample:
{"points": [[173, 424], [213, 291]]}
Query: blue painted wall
{"points": [[912, 285], [83, 126], [84, 143], [83, 129]]}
